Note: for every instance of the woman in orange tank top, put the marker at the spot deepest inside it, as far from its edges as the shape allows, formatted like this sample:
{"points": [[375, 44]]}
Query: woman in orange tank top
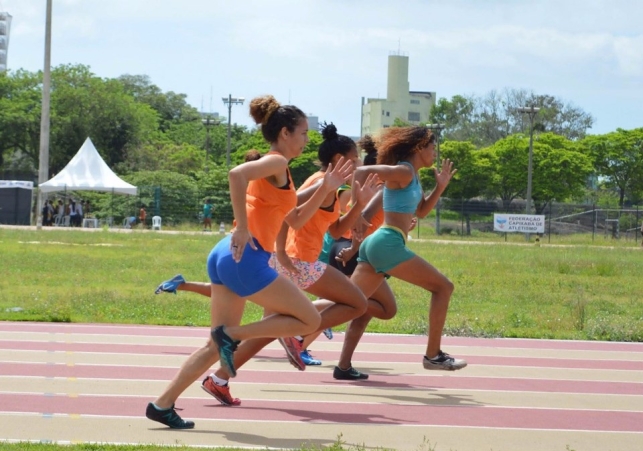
{"points": [[296, 258], [263, 198]]}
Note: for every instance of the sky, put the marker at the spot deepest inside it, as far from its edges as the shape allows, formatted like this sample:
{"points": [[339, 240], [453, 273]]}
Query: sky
{"points": [[325, 55]]}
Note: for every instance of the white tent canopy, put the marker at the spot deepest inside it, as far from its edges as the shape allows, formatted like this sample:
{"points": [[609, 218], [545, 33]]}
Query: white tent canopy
{"points": [[87, 172]]}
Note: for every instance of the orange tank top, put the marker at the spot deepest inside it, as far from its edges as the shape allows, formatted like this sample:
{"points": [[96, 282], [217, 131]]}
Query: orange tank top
{"points": [[306, 243], [376, 221], [267, 207]]}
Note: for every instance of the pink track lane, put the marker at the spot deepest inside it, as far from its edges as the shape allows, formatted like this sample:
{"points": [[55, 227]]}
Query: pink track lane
{"points": [[175, 331], [254, 410], [427, 381], [326, 356]]}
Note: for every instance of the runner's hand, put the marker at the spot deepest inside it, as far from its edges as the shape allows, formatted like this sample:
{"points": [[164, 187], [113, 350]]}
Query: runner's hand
{"points": [[346, 254], [240, 237], [336, 176], [365, 192], [443, 177], [285, 261]]}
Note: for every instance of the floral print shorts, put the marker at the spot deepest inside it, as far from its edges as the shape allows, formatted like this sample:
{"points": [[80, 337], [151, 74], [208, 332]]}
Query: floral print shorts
{"points": [[309, 272]]}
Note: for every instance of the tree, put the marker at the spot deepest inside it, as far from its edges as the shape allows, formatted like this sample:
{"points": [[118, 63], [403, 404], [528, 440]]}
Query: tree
{"points": [[457, 117], [509, 159], [85, 105], [493, 116], [618, 157], [472, 179], [171, 107], [20, 96], [560, 169], [560, 172]]}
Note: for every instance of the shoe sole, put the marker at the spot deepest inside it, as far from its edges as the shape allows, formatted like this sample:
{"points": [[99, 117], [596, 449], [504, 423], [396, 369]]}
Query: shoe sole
{"points": [[294, 361], [218, 398], [444, 368], [350, 378], [230, 369]]}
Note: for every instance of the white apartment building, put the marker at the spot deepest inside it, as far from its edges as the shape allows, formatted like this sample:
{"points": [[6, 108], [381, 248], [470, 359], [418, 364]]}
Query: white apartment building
{"points": [[413, 107], [5, 28]]}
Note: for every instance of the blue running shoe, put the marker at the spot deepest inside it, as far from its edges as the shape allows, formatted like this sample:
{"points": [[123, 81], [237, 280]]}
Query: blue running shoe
{"points": [[170, 286], [309, 359], [226, 346], [329, 333]]}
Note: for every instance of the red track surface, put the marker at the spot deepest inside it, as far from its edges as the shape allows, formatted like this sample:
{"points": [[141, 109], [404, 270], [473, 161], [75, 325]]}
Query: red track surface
{"points": [[587, 395]]}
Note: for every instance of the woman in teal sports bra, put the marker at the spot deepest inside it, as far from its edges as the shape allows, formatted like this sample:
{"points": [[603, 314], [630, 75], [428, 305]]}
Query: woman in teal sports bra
{"points": [[401, 153]]}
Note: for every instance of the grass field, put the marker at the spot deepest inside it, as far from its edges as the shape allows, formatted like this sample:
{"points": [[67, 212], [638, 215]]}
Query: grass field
{"points": [[23, 446], [513, 289]]}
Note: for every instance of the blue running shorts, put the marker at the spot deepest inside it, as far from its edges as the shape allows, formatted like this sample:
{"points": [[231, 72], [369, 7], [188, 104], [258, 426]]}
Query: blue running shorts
{"points": [[250, 275]]}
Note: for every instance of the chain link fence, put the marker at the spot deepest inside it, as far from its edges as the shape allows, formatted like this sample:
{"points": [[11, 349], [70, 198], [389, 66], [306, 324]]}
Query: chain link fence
{"points": [[468, 218], [181, 208]]}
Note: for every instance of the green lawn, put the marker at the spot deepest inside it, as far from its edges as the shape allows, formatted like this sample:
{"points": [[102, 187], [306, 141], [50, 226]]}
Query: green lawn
{"points": [[582, 291]]}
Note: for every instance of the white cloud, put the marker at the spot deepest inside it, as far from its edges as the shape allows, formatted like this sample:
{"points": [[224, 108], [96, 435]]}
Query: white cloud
{"points": [[332, 49]]}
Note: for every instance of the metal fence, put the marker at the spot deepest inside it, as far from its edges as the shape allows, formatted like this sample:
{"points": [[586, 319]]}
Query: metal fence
{"points": [[464, 218], [472, 217]]}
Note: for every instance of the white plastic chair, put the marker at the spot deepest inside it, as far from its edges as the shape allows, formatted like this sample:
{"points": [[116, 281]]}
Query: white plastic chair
{"points": [[156, 223]]}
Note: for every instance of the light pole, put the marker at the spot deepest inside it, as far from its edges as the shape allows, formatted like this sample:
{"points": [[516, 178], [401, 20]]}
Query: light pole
{"points": [[437, 129], [230, 101], [208, 121], [532, 111], [43, 158]]}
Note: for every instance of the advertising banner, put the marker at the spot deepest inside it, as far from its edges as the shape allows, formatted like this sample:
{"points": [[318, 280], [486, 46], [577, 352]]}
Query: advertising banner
{"points": [[519, 223]]}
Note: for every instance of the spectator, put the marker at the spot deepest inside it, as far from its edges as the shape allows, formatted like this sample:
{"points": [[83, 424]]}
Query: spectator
{"points": [[142, 215], [207, 215], [79, 214], [73, 213], [47, 213]]}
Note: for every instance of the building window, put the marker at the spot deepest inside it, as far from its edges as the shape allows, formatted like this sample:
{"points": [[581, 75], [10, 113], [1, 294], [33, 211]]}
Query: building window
{"points": [[415, 102], [388, 113], [414, 117], [386, 126], [382, 112]]}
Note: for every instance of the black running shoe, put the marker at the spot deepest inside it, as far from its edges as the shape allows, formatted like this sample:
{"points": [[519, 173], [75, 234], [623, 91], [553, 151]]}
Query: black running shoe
{"points": [[351, 374], [226, 346], [168, 417]]}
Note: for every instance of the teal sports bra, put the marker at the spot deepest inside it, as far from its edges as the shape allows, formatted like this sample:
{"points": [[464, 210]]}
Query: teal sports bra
{"points": [[404, 200]]}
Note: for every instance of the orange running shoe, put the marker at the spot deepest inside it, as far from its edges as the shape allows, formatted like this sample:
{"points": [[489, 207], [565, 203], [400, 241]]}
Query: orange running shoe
{"points": [[220, 392]]}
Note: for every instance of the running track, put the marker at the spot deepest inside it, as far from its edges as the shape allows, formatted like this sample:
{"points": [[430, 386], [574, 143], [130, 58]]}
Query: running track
{"points": [[72, 383]]}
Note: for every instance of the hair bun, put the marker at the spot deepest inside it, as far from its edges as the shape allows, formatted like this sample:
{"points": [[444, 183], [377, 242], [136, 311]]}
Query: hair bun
{"points": [[261, 108], [329, 131]]}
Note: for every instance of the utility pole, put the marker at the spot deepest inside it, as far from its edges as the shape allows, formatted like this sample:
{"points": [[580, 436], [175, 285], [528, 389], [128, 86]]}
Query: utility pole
{"points": [[532, 112], [209, 121], [43, 160], [230, 101], [437, 130]]}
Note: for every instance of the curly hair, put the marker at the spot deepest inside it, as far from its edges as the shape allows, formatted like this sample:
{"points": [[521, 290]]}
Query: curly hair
{"points": [[399, 143], [251, 155], [367, 144], [333, 144], [272, 116]]}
